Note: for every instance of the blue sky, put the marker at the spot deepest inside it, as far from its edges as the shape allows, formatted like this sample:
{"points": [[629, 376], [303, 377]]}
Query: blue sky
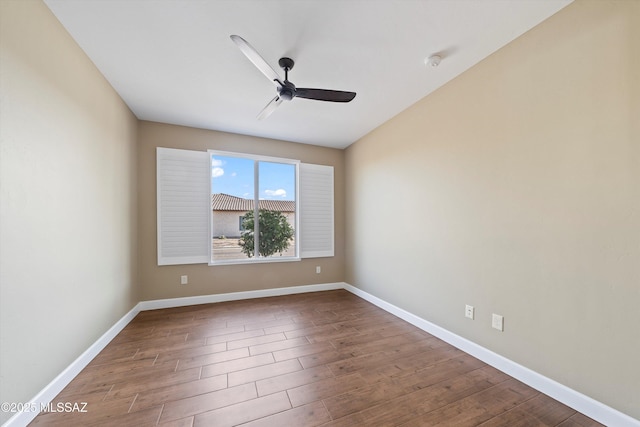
{"points": [[234, 176]]}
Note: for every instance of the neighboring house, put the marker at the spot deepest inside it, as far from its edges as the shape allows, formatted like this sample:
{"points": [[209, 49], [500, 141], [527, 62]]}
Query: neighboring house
{"points": [[228, 212]]}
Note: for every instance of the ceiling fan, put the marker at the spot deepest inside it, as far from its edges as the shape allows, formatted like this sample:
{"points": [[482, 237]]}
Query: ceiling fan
{"points": [[286, 90]]}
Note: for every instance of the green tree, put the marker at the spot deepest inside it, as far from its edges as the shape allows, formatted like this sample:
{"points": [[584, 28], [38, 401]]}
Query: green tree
{"points": [[275, 233]]}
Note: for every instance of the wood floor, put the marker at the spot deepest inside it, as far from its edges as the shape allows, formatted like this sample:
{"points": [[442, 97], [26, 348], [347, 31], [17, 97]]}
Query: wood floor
{"points": [[317, 359]]}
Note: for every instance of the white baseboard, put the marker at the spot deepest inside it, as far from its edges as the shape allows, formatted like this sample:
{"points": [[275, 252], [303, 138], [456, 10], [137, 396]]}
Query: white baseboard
{"points": [[235, 296], [576, 400], [52, 389]]}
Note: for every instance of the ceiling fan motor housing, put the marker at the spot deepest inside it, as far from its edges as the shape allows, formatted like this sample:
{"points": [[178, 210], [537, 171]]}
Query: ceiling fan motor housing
{"points": [[288, 91]]}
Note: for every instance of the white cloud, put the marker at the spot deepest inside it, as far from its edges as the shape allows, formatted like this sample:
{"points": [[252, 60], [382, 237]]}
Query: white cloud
{"points": [[216, 172], [276, 193], [233, 174]]}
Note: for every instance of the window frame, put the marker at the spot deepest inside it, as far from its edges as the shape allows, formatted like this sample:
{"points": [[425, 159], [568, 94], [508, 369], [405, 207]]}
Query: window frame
{"points": [[257, 158], [183, 208]]}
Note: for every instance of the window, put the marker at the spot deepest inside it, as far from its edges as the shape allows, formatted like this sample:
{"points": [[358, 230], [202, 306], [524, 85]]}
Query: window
{"points": [[206, 202], [253, 187]]}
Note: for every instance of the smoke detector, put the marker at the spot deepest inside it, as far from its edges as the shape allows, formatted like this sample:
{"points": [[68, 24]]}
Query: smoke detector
{"points": [[433, 61]]}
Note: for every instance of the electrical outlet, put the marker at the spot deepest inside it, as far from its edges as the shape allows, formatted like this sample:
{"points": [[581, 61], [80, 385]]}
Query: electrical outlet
{"points": [[469, 311], [497, 322], [318, 269], [184, 280]]}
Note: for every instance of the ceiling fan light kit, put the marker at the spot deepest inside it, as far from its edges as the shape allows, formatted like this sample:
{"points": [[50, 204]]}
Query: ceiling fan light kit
{"points": [[285, 89]]}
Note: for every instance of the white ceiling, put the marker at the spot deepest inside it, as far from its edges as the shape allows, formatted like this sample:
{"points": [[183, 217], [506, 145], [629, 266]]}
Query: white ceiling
{"points": [[173, 61]]}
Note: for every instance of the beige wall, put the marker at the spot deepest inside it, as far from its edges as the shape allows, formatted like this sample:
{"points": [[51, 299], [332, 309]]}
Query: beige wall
{"points": [[164, 282], [226, 223], [520, 181], [67, 217]]}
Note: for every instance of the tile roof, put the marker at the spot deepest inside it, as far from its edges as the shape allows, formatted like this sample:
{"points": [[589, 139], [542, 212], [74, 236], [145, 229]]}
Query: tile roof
{"points": [[226, 202]]}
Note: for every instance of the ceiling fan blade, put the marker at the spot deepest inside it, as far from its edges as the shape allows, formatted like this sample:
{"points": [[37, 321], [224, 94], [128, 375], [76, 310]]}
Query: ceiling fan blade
{"points": [[256, 59], [270, 108], [325, 94]]}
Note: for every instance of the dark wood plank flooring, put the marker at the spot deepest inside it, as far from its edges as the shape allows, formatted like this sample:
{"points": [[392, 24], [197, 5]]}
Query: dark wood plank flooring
{"points": [[317, 359]]}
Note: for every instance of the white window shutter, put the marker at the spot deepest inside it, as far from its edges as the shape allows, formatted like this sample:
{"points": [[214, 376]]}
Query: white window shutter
{"points": [[183, 205], [316, 211]]}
